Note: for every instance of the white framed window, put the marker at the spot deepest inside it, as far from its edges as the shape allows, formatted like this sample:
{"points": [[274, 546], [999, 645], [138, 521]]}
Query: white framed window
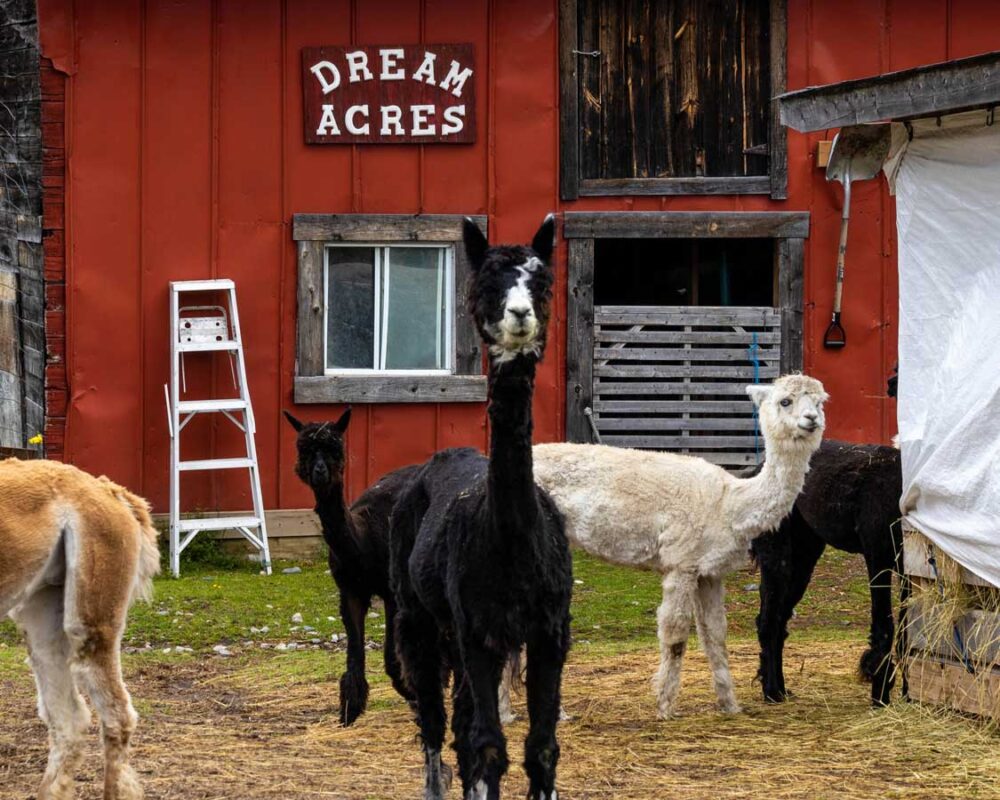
{"points": [[379, 310], [388, 309]]}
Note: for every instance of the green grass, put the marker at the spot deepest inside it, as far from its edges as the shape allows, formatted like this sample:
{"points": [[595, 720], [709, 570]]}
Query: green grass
{"points": [[219, 603]]}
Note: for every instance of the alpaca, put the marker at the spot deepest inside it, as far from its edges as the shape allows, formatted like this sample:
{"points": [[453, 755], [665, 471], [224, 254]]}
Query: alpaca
{"points": [[480, 563], [686, 518], [75, 551], [357, 539], [850, 501]]}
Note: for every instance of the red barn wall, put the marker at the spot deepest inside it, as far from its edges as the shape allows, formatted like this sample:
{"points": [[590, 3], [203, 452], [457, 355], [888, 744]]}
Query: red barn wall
{"points": [[182, 125]]}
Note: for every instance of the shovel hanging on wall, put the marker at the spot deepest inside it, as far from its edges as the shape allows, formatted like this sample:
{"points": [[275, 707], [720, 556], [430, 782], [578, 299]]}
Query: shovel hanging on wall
{"points": [[857, 155]]}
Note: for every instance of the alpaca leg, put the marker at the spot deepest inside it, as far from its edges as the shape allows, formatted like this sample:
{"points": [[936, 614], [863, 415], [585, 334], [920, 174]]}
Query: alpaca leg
{"points": [[876, 662], [674, 627], [546, 657], [711, 616], [420, 655], [59, 703], [482, 668], [353, 684], [787, 559], [391, 658], [99, 669], [463, 712]]}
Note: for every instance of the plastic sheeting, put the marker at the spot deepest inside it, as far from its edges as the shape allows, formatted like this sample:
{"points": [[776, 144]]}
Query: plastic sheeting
{"points": [[947, 185]]}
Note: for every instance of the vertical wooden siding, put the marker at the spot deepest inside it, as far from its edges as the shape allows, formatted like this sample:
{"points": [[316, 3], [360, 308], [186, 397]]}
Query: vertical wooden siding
{"points": [[187, 161]]}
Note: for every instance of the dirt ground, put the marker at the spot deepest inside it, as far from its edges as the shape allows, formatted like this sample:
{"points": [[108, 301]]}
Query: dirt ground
{"points": [[266, 728]]}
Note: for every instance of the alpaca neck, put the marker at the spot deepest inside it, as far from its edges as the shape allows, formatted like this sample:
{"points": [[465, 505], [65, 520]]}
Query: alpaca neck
{"points": [[335, 516], [511, 481], [760, 503]]}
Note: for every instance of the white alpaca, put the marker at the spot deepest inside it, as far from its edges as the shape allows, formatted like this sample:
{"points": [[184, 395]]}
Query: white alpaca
{"points": [[74, 552], [686, 518]]}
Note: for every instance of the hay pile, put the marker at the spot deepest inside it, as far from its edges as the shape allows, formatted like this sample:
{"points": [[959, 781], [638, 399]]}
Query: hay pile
{"points": [[266, 728]]}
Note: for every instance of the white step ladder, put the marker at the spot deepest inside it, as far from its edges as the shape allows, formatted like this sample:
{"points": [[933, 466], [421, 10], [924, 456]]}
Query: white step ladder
{"points": [[207, 329]]}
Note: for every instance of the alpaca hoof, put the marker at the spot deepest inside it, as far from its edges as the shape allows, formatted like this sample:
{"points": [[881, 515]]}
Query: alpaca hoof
{"points": [[563, 716], [129, 787], [59, 789], [353, 697], [446, 778], [730, 708], [507, 716], [478, 792], [667, 713]]}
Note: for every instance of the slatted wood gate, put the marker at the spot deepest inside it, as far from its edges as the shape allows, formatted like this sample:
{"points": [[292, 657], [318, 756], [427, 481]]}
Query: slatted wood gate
{"points": [[674, 378]]}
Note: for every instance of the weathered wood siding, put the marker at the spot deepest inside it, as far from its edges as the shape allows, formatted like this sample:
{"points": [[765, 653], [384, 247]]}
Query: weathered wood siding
{"points": [[678, 88], [22, 303]]}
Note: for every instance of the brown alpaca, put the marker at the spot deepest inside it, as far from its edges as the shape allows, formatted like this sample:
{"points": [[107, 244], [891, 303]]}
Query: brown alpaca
{"points": [[75, 550]]}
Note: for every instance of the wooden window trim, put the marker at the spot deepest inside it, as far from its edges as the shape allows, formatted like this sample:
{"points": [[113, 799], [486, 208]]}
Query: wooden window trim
{"points": [[312, 233], [582, 229], [572, 186]]}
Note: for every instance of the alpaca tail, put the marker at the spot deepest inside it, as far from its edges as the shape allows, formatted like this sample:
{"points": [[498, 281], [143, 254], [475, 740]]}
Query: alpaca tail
{"points": [[149, 551]]}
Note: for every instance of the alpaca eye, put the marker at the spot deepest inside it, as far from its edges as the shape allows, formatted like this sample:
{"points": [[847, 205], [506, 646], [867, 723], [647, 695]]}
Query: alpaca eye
{"points": [[786, 403]]}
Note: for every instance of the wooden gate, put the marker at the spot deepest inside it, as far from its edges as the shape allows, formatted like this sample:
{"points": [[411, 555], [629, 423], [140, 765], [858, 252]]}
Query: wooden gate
{"points": [[674, 378]]}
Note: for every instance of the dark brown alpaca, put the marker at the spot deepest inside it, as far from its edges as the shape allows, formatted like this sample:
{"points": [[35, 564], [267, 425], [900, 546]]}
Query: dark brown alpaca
{"points": [[357, 539]]}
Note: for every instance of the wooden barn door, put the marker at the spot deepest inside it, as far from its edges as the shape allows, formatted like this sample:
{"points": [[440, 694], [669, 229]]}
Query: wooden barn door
{"points": [[669, 319]]}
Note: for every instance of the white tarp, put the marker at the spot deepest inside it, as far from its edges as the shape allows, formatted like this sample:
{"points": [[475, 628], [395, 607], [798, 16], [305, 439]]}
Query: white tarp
{"points": [[947, 185]]}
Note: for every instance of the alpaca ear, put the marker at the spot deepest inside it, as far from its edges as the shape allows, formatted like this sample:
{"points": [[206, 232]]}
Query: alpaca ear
{"points": [[341, 424], [758, 393], [544, 239], [293, 422], [475, 243]]}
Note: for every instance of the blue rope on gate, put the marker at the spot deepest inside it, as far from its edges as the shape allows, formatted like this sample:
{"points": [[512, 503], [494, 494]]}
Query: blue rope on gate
{"points": [[752, 351]]}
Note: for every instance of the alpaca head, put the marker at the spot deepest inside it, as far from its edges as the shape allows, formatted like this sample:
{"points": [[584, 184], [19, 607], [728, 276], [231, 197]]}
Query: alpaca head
{"points": [[320, 445], [509, 292], [791, 411]]}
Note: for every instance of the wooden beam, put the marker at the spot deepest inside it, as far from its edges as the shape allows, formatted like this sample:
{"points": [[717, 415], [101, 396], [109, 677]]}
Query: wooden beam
{"points": [[579, 339], [569, 114], [790, 258], [946, 683], [737, 184], [685, 224], [778, 144], [931, 90], [380, 227], [391, 389]]}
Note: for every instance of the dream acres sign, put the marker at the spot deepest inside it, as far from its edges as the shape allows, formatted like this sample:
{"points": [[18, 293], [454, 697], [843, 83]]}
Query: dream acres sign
{"points": [[389, 95]]}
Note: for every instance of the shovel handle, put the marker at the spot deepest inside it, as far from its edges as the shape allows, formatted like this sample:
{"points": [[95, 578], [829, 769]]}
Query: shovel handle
{"points": [[842, 247]]}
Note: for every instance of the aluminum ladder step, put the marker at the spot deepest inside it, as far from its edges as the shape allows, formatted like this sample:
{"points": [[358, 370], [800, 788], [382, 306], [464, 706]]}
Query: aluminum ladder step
{"points": [[207, 347], [215, 463], [217, 523], [202, 406], [216, 285]]}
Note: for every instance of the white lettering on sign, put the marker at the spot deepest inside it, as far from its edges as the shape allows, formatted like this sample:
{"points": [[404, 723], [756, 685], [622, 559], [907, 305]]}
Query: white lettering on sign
{"points": [[357, 62], [420, 126], [389, 94], [454, 118], [352, 126], [392, 116], [333, 82], [390, 70], [328, 122], [457, 76], [425, 72]]}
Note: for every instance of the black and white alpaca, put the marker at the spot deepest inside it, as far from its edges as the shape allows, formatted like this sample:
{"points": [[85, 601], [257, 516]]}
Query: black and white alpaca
{"points": [[480, 562], [357, 539], [850, 501]]}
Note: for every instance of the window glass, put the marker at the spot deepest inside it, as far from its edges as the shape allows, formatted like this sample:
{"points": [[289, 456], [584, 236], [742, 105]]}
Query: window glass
{"points": [[413, 325], [388, 308], [350, 307]]}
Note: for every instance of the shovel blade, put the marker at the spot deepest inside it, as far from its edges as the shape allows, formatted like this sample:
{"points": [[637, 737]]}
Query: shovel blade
{"points": [[858, 152]]}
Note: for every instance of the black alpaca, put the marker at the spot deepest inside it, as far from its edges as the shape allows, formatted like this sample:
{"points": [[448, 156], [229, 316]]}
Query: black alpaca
{"points": [[850, 501], [480, 562], [358, 549]]}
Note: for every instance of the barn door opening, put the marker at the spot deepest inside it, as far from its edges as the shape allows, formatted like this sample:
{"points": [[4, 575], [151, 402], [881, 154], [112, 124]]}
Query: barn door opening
{"points": [[681, 326], [667, 331]]}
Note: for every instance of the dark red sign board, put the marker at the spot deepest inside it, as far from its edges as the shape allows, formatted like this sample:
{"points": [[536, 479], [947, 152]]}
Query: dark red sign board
{"points": [[389, 94]]}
